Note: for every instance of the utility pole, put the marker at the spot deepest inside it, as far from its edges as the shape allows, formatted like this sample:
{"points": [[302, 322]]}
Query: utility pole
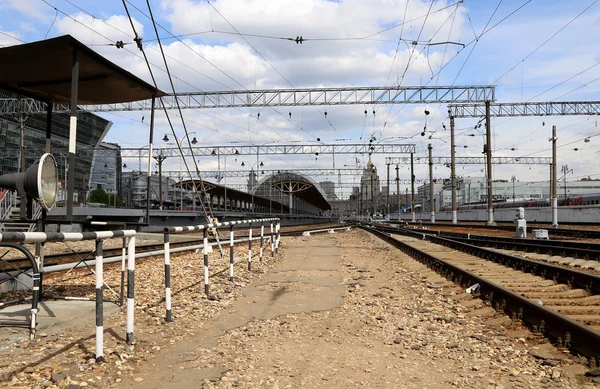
{"points": [[488, 139], [565, 169], [398, 190], [387, 193], [431, 203], [22, 128], [513, 179], [160, 158], [453, 169], [554, 181], [412, 188]]}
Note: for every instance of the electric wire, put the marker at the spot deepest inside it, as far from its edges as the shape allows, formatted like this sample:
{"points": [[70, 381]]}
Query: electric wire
{"points": [[546, 41], [265, 59], [160, 68], [220, 70], [141, 48], [203, 188]]}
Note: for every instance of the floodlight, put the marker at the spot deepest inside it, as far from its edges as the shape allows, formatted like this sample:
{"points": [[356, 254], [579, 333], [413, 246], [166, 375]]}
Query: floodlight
{"points": [[40, 182]]}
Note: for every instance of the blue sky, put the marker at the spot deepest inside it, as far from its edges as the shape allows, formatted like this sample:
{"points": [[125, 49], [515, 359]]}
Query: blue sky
{"points": [[548, 74]]}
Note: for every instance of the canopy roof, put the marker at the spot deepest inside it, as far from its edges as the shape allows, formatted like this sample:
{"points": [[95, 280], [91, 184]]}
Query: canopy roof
{"points": [[42, 70]]}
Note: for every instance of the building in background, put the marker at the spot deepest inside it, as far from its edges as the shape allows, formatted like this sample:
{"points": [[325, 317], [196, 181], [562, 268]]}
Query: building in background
{"points": [[107, 169], [329, 189], [133, 189], [369, 182]]}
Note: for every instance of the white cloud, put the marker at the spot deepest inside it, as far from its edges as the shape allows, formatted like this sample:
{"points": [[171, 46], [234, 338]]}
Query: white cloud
{"points": [[9, 38], [31, 9]]}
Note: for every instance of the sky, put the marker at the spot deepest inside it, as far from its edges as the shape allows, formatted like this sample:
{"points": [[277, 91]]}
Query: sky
{"points": [[531, 50]]}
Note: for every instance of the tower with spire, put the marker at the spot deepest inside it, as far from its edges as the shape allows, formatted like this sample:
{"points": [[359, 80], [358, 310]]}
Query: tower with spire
{"points": [[369, 182]]}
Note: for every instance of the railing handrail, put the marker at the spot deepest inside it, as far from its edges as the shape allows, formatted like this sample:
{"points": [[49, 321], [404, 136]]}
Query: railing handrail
{"points": [[201, 227]]}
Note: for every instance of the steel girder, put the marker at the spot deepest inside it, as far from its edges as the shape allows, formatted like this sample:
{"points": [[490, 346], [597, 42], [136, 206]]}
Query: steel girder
{"points": [[556, 108], [205, 174], [472, 160], [275, 150], [284, 98], [233, 150]]}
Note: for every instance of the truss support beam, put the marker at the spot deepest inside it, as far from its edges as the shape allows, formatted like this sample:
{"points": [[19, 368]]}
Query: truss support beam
{"points": [[217, 175], [276, 150], [472, 160], [234, 150], [552, 108], [298, 97]]}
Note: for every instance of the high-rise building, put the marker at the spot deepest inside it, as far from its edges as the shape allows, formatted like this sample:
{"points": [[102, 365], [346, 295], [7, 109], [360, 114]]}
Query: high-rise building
{"points": [[329, 189], [106, 169], [369, 182]]}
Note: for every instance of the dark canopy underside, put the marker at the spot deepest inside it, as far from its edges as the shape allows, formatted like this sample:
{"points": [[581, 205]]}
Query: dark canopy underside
{"points": [[42, 70]]}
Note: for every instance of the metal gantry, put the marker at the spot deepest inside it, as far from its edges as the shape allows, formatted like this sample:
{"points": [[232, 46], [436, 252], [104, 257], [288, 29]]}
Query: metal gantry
{"points": [[207, 174], [548, 108], [284, 98], [472, 160], [207, 151]]}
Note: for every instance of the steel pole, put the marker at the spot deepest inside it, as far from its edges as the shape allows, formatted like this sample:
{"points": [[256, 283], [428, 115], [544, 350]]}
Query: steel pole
{"points": [[488, 139], [453, 169], [387, 193], [398, 190], [554, 181], [431, 204], [412, 187], [72, 134]]}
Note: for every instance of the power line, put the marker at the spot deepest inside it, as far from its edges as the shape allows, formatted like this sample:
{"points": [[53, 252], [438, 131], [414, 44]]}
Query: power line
{"points": [[476, 42], [566, 80], [12, 37], [215, 66], [546, 41], [467, 45], [203, 189], [263, 57], [158, 67]]}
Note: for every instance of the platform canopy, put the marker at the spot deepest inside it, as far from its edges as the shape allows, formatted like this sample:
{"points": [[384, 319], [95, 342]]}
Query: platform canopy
{"points": [[42, 70]]}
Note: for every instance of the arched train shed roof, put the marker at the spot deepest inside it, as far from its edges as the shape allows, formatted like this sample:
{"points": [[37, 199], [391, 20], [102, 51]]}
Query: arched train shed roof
{"points": [[301, 186]]}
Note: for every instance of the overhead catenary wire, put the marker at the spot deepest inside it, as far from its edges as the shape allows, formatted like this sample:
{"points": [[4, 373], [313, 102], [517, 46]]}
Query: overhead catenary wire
{"points": [[141, 48], [263, 57], [176, 60], [154, 65], [546, 41], [203, 188], [467, 45], [219, 69]]}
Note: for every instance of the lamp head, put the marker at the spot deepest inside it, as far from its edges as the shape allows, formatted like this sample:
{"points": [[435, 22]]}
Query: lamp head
{"points": [[40, 181]]}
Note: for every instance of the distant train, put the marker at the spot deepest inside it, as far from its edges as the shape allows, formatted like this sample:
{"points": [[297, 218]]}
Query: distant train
{"points": [[592, 199]]}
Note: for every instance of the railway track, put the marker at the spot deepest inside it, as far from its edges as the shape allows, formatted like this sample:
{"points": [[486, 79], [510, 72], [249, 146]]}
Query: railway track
{"points": [[553, 232], [560, 303], [587, 252]]}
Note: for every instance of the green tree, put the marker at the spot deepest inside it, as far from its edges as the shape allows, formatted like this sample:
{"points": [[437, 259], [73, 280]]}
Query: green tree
{"points": [[99, 196]]}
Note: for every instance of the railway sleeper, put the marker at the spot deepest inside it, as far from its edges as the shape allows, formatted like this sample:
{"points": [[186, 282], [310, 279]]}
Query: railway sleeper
{"points": [[563, 330]]}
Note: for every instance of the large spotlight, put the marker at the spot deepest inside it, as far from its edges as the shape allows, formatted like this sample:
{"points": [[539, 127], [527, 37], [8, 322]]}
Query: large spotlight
{"points": [[40, 182]]}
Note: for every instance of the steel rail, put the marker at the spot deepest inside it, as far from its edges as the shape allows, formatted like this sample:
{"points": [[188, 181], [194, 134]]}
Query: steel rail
{"points": [[570, 232], [583, 250], [560, 328]]}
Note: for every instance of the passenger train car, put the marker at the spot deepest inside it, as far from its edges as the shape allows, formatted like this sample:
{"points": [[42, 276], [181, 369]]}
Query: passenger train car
{"points": [[593, 199]]}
